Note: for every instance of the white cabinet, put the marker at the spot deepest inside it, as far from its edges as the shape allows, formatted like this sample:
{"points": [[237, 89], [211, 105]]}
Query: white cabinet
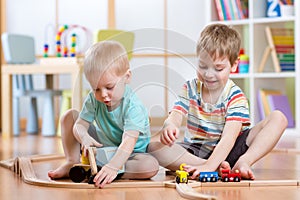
{"points": [[254, 42]]}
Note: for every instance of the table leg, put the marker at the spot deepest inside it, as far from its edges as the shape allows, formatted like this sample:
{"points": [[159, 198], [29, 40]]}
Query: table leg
{"points": [[77, 90], [6, 105]]}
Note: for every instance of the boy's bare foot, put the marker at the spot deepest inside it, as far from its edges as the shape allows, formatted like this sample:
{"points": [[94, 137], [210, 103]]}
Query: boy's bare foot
{"points": [[61, 172], [223, 165], [245, 170]]}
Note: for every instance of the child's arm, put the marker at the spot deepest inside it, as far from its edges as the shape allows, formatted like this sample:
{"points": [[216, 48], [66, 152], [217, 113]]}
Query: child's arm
{"points": [[230, 133], [109, 171], [171, 128], [80, 131]]}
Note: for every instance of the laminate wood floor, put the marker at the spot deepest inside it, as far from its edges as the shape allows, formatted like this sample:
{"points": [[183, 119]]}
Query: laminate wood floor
{"points": [[281, 164]]}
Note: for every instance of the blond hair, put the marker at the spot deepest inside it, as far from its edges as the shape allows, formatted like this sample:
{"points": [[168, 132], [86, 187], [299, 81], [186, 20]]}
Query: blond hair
{"points": [[219, 40], [104, 56]]}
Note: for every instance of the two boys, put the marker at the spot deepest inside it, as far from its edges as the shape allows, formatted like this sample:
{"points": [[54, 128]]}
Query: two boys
{"points": [[218, 126]]}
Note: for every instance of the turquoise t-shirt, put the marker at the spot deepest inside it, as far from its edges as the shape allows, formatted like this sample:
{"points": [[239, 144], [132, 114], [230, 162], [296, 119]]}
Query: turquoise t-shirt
{"points": [[131, 114]]}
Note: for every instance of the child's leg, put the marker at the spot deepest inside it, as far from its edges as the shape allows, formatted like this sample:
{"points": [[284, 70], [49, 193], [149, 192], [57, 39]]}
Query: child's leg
{"points": [[261, 140], [141, 166], [172, 157], [70, 145]]}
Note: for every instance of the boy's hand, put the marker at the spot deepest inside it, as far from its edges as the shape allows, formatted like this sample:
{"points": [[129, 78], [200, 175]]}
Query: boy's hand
{"points": [[106, 175], [169, 135], [86, 142], [196, 170]]}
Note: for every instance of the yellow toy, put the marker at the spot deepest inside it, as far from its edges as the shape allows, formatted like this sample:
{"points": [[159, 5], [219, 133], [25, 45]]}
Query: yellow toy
{"points": [[181, 175]]}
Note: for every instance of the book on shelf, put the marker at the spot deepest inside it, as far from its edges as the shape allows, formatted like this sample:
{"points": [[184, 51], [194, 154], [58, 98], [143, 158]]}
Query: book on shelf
{"points": [[231, 9], [281, 102], [262, 99], [269, 100], [219, 8]]}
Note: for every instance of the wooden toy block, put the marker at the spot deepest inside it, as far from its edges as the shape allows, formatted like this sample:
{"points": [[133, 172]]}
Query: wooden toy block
{"points": [[104, 154], [92, 161]]}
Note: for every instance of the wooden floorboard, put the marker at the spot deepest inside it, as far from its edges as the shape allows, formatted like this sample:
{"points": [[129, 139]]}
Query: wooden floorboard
{"points": [[276, 175]]}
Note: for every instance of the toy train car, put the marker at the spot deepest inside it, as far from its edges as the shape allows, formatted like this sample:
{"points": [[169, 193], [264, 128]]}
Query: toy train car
{"points": [[181, 175], [229, 176], [82, 171], [208, 177]]}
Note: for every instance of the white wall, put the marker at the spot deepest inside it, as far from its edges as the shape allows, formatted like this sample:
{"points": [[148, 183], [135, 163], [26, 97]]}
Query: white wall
{"points": [[185, 20]]}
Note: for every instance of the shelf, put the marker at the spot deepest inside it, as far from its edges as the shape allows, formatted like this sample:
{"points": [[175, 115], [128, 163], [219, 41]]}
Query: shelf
{"points": [[254, 41], [275, 75], [273, 20], [238, 76], [234, 22]]}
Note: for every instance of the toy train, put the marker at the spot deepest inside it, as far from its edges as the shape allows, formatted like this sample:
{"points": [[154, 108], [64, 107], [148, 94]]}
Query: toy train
{"points": [[227, 176], [82, 171]]}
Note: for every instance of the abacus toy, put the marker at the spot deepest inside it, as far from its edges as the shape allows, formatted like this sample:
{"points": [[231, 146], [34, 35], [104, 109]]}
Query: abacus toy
{"points": [[61, 44]]}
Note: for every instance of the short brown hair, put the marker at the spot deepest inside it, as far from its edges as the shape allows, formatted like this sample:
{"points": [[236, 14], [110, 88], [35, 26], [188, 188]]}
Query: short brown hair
{"points": [[219, 40]]}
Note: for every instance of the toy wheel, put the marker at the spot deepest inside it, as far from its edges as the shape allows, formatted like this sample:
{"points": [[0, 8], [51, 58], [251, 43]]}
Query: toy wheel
{"points": [[88, 173], [204, 179], [213, 179], [236, 179], [177, 179], [225, 179], [77, 174]]}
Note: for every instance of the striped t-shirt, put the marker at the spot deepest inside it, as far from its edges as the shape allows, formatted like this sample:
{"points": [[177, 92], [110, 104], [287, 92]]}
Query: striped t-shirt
{"points": [[205, 121]]}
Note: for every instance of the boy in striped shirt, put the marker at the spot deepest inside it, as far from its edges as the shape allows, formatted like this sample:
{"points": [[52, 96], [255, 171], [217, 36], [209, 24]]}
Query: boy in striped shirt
{"points": [[218, 133]]}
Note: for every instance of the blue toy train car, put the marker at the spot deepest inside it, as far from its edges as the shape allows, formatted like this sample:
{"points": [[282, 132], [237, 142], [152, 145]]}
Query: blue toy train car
{"points": [[208, 176]]}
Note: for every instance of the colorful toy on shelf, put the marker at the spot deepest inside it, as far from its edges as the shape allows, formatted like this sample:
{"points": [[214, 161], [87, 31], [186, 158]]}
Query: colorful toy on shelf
{"points": [[229, 176], [46, 48], [73, 45], [208, 176], [181, 175], [244, 64], [58, 41], [81, 39]]}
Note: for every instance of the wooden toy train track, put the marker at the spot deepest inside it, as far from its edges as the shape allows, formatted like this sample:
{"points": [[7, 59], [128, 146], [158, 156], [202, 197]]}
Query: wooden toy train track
{"points": [[23, 166]]}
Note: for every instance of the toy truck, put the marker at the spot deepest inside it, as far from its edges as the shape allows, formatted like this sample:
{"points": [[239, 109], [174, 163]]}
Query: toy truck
{"points": [[89, 166], [208, 176], [229, 176], [181, 175]]}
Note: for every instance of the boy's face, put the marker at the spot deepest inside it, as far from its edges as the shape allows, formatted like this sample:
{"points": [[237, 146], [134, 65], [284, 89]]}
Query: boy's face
{"points": [[214, 73], [111, 87]]}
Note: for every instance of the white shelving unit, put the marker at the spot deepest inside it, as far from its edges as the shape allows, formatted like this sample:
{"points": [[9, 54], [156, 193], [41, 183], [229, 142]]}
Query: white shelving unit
{"points": [[254, 42]]}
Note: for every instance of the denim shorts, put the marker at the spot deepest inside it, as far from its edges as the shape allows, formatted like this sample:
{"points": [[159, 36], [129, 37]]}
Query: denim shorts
{"points": [[239, 148]]}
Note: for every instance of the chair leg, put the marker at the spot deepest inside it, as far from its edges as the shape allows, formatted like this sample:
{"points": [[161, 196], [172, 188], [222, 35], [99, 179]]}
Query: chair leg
{"points": [[32, 120], [16, 116], [65, 105], [48, 126]]}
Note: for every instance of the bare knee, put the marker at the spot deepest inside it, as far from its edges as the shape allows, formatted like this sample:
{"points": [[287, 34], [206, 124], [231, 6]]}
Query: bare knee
{"points": [[279, 118], [69, 117], [142, 166], [67, 121], [151, 167]]}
